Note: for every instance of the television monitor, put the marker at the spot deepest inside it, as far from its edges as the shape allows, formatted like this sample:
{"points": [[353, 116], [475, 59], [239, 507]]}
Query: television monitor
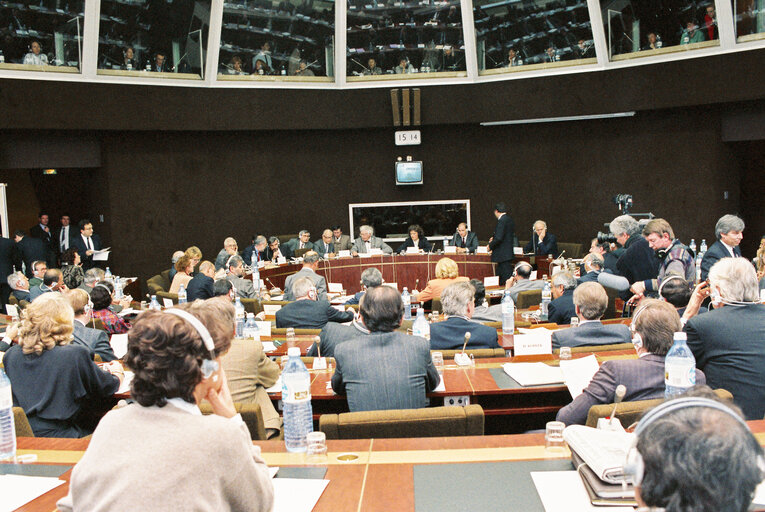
{"points": [[408, 173]]}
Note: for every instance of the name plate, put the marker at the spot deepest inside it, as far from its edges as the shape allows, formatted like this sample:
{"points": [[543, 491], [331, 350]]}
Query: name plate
{"points": [[491, 281], [281, 260], [168, 303], [376, 251], [271, 309], [335, 287], [450, 249], [412, 250], [482, 249], [531, 344], [365, 255], [344, 254], [518, 251]]}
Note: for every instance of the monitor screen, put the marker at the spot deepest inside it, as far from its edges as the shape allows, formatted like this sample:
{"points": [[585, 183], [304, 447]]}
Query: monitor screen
{"points": [[408, 173]]}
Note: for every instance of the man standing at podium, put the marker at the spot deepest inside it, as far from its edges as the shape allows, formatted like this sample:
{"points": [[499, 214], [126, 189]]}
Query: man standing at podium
{"points": [[501, 244]]}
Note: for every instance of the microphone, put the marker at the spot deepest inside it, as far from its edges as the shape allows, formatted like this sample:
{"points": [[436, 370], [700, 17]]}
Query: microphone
{"points": [[467, 338], [461, 358], [416, 283], [269, 282], [620, 392]]}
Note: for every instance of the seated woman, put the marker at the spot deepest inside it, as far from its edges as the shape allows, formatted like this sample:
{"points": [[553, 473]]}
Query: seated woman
{"points": [[70, 267], [416, 239], [653, 327], [184, 268], [102, 299], [542, 243], [161, 445], [446, 274], [54, 382]]}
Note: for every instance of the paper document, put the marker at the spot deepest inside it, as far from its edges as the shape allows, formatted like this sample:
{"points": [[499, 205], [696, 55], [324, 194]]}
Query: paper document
{"points": [[335, 287], [264, 328], [268, 346], [344, 254], [533, 374], [18, 490], [119, 344], [450, 249], [12, 310], [563, 491], [102, 255], [604, 451], [277, 387], [759, 494], [491, 281], [271, 309], [127, 311], [297, 494], [272, 471], [125, 386], [578, 373], [482, 249], [441, 386], [376, 251], [392, 285]]}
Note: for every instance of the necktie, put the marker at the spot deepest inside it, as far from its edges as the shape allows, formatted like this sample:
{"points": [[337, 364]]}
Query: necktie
{"points": [[326, 247], [90, 246], [301, 245], [463, 242]]}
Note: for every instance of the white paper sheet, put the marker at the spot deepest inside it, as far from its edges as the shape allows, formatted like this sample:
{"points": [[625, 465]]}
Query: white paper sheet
{"points": [[125, 386], [759, 494], [119, 344], [264, 328], [127, 311], [491, 281], [268, 346], [335, 287], [344, 254], [441, 386], [482, 249], [533, 374], [271, 309], [518, 251], [12, 310], [277, 387], [392, 285], [101, 255], [297, 494], [18, 490], [450, 249], [273, 471], [578, 373], [376, 251], [563, 491]]}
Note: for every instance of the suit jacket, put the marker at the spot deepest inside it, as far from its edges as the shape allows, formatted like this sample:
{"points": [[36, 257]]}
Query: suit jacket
{"points": [[244, 287], [95, 340], [524, 285], [50, 245], [247, 254], [436, 286], [79, 245], [591, 276], [728, 345], [638, 262], [423, 244], [249, 372], [36, 291], [222, 258], [201, 287], [318, 246], [643, 378], [502, 244], [318, 281], [591, 334], [285, 250], [360, 247], [8, 258], [484, 313], [548, 246], [715, 254], [294, 245], [29, 250], [21, 295], [310, 314], [356, 299], [562, 309], [57, 237], [344, 244], [334, 334], [471, 241], [450, 334], [385, 370]]}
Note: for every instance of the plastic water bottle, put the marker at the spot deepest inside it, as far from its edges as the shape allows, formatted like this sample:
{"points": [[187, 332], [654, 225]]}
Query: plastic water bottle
{"points": [[692, 246], [546, 297], [118, 288], [255, 274], [679, 367], [155, 304], [2, 57], [182, 295], [108, 275], [7, 428], [296, 397], [407, 300], [508, 314], [251, 330], [239, 317], [421, 327], [703, 247]]}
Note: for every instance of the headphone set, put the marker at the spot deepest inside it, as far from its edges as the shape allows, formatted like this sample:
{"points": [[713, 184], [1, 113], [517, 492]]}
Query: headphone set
{"points": [[209, 366], [637, 340], [101, 285], [518, 265], [668, 279], [634, 467]]}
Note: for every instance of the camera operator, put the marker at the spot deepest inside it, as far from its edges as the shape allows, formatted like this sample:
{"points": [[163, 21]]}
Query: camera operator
{"points": [[674, 257], [637, 261]]}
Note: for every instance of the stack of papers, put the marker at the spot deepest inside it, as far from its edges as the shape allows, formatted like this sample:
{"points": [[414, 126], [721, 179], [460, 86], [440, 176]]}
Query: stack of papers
{"points": [[604, 451], [533, 374], [578, 373], [18, 490]]}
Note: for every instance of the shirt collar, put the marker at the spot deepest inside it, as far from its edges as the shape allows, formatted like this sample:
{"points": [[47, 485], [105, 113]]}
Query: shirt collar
{"points": [[78, 320], [730, 249], [183, 405], [582, 322]]}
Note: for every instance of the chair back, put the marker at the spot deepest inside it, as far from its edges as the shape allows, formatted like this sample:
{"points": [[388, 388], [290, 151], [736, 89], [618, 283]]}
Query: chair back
{"points": [[252, 305], [300, 252], [251, 415], [13, 300], [397, 423], [156, 284], [598, 348], [167, 295], [572, 250], [282, 331], [611, 311], [528, 298], [166, 281], [435, 305], [23, 428]]}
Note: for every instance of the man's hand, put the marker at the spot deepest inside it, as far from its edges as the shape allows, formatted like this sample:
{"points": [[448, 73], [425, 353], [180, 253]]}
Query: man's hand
{"points": [[700, 292], [638, 288], [89, 252]]}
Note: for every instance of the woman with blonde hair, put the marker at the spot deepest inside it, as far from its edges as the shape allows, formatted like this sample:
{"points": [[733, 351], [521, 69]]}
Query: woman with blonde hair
{"points": [[52, 380], [447, 273], [184, 267]]}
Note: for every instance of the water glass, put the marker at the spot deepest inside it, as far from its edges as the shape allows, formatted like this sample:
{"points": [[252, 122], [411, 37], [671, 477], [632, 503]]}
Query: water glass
{"points": [[554, 436], [565, 353], [438, 362], [316, 450], [574, 321]]}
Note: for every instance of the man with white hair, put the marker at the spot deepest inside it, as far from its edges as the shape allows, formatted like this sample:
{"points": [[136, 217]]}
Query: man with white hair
{"points": [[19, 286], [173, 260], [325, 247], [458, 304], [307, 311], [729, 230], [593, 266], [367, 241], [637, 260], [728, 342], [561, 308], [230, 248]]}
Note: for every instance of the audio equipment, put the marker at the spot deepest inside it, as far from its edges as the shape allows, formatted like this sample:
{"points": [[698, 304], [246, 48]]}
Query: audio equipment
{"points": [[209, 366]]}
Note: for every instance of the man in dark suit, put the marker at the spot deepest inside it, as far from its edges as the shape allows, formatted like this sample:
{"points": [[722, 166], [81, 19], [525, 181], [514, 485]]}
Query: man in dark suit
{"points": [[465, 241], [258, 249], [370, 278], [303, 241], [310, 264], [334, 334], [8, 259], [308, 311], [541, 242], [64, 235], [643, 378], [95, 340], [501, 244], [52, 282], [86, 244], [729, 231], [590, 302], [384, 369], [201, 285], [29, 250], [325, 247], [43, 232], [593, 266], [561, 308], [275, 250], [457, 302], [728, 341]]}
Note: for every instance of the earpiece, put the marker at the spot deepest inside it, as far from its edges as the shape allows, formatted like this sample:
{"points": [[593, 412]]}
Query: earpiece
{"points": [[666, 280], [209, 366]]}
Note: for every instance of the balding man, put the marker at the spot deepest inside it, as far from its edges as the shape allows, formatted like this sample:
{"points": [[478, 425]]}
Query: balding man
{"points": [[173, 260], [325, 247], [367, 241], [465, 241], [230, 248], [244, 287], [521, 280], [53, 281], [593, 266], [307, 311], [201, 285], [257, 249], [310, 265], [590, 303], [457, 302]]}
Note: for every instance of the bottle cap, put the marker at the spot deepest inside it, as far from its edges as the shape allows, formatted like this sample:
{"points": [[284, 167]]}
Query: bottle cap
{"points": [[250, 315], [293, 351], [680, 335]]}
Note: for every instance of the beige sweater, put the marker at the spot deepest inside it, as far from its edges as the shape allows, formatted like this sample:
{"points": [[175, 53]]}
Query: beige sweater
{"points": [[152, 458]]}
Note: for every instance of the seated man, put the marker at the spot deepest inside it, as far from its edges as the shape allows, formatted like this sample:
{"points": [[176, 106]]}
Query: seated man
{"points": [[384, 369], [561, 308], [325, 247], [728, 341], [38, 271], [458, 304], [483, 312], [590, 302], [230, 248], [303, 241], [593, 266], [173, 260], [257, 249], [465, 241], [654, 325], [521, 280], [676, 291], [604, 251], [370, 278], [697, 456], [224, 288], [310, 264], [95, 340], [308, 311], [19, 286], [53, 281], [276, 251], [201, 285], [342, 242], [541, 243], [244, 287], [334, 334], [367, 241], [729, 230]]}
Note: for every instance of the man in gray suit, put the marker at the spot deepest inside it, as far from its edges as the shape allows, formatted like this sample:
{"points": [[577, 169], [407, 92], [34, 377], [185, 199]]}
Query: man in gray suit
{"points": [[521, 280], [325, 247], [334, 334], [244, 287], [384, 369], [310, 264], [303, 241], [91, 279], [95, 340], [654, 325], [367, 241], [590, 302], [342, 242]]}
